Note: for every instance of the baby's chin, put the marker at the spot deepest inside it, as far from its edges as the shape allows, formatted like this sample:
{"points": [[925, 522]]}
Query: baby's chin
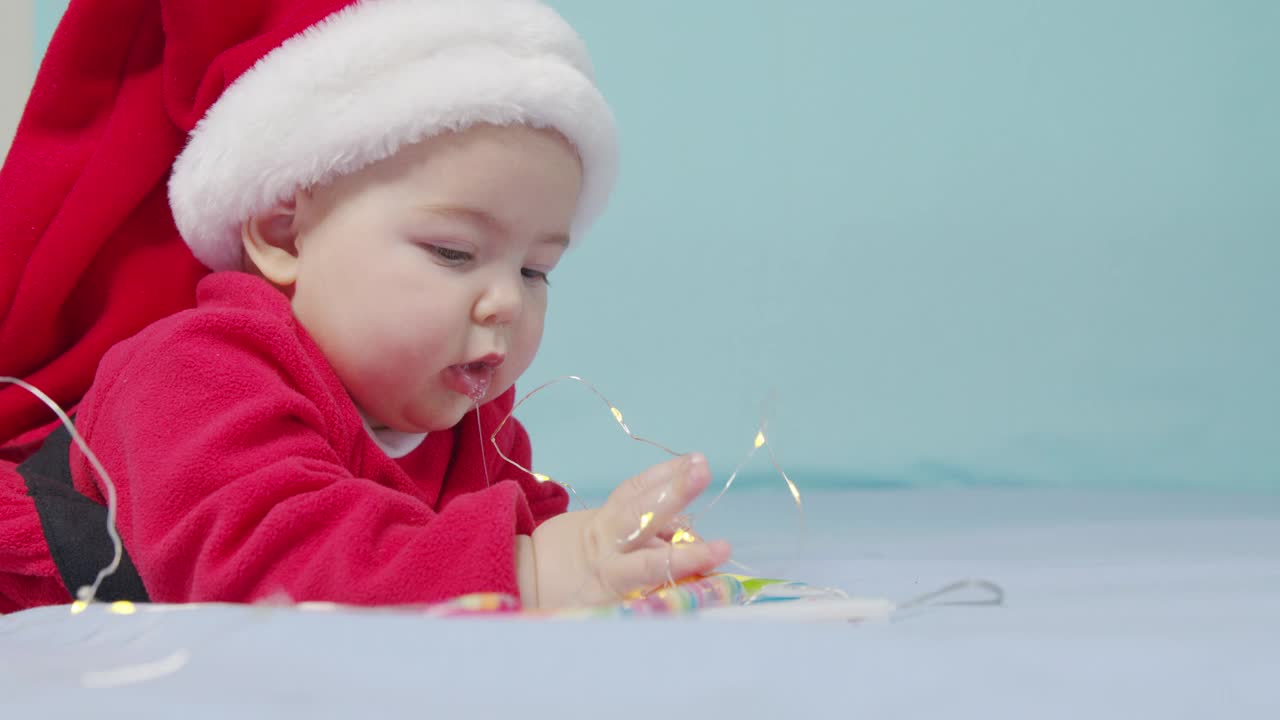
{"points": [[428, 422], [435, 419]]}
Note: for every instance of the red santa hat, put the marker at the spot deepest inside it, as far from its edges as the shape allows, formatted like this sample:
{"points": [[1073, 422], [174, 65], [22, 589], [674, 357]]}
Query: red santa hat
{"points": [[156, 127]]}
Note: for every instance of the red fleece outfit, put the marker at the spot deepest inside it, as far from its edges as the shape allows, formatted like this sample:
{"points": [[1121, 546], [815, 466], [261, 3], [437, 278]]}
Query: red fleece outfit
{"points": [[244, 470]]}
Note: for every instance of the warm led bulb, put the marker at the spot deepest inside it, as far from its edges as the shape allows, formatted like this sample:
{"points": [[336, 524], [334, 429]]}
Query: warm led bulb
{"points": [[123, 607]]}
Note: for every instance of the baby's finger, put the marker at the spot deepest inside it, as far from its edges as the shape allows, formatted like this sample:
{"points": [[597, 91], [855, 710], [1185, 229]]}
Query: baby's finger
{"points": [[653, 478], [680, 525], [652, 567], [632, 521]]}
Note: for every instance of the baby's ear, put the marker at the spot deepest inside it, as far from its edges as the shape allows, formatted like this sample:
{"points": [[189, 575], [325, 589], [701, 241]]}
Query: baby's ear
{"points": [[271, 243]]}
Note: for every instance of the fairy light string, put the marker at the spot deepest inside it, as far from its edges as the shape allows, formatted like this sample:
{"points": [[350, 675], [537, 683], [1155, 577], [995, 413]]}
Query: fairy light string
{"points": [[87, 593], [682, 533]]}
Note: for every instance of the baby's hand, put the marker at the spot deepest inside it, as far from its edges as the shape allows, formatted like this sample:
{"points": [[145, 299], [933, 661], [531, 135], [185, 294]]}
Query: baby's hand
{"points": [[599, 556]]}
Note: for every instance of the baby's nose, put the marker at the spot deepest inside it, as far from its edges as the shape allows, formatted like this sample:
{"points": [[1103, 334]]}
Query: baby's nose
{"points": [[500, 304]]}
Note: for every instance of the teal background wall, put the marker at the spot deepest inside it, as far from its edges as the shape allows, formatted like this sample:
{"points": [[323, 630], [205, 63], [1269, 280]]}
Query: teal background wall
{"points": [[46, 16], [987, 242]]}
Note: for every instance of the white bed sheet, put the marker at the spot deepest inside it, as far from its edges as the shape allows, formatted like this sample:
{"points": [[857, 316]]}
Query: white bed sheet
{"points": [[1160, 605]]}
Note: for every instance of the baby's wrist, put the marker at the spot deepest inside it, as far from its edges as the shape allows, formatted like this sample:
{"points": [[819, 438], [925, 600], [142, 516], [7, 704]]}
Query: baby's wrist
{"points": [[562, 562]]}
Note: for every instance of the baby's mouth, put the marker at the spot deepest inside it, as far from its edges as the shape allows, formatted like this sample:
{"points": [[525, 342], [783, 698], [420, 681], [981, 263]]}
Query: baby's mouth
{"points": [[473, 379]]}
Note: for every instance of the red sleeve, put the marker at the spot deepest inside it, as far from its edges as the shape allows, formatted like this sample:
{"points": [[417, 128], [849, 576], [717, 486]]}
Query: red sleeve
{"points": [[233, 490]]}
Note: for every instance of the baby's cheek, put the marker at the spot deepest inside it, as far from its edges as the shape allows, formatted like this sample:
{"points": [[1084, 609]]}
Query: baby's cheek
{"points": [[406, 337], [402, 363], [531, 333], [383, 355]]}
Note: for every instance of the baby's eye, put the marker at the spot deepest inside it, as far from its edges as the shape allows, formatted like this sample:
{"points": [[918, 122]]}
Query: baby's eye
{"points": [[535, 275], [450, 255]]}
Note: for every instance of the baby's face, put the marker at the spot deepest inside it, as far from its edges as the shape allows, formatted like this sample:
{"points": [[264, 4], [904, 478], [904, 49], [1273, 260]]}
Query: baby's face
{"points": [[423, 277]]}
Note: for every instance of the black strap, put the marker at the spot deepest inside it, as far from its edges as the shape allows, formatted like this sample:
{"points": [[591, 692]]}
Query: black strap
{"points": [[75, 527]]}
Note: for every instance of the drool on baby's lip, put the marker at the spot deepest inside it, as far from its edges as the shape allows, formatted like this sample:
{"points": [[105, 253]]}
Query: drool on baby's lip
{"points": [[472, 379]]}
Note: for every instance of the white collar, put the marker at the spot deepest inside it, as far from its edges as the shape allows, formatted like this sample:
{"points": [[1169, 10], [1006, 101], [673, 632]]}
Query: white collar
{"points": [[394, 443]]}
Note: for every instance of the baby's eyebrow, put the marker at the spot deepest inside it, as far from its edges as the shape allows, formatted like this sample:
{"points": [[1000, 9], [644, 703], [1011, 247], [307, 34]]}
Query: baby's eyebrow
{"points": [[487, 222], [473, 216]]}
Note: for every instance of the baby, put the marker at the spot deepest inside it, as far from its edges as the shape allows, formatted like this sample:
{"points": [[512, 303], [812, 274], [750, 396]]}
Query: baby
{"points": [[382, 191]]}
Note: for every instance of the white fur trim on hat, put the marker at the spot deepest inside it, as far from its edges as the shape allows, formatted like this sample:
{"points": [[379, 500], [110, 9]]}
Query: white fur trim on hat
{"points": [[374, 77]]}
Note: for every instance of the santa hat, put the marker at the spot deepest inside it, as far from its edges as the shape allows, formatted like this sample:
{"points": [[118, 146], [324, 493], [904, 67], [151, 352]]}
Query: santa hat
{"points": [[156, 127]]}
